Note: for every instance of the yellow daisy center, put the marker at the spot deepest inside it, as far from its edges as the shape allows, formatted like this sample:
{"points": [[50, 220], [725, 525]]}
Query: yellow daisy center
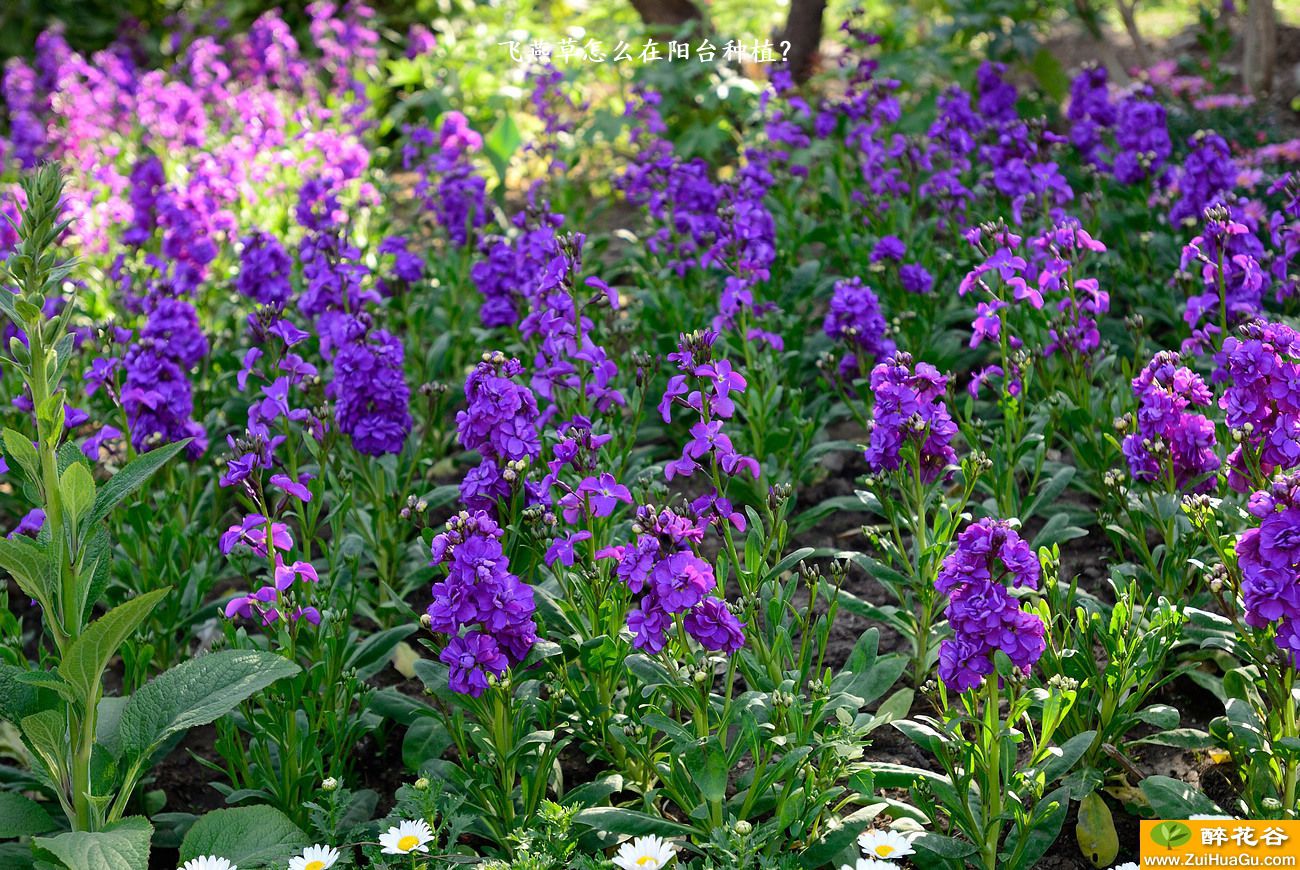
{"points": [[647, 861], [884, 850], [409, 842], [315, 865]]}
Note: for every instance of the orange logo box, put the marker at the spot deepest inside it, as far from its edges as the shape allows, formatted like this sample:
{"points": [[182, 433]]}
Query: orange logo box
{"points": [[1220, 843]]}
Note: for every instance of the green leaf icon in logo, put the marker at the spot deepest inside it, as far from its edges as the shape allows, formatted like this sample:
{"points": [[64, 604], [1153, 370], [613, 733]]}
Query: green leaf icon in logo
{"points": [[1171, 835]]}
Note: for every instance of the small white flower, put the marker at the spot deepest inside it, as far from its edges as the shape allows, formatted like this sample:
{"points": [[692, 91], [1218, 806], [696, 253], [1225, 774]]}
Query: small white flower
{"points": [[870, 864], [407, 837], [889, 845], [314, 858], [208, 862], [1127, 865], [645, 853]]}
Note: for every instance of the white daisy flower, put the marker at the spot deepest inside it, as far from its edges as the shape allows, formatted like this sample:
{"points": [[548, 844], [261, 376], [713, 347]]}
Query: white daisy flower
{"points": [[645, 853], [208, 862], [314, 858], [889, 845], [870, 864], [407, 837]]}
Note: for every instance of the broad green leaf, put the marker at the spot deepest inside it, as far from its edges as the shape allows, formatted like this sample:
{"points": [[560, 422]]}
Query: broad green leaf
{"points": [[47, 732], [89, 655], [371, 655], [425, 740], [1096, 831], [124, 846], [1062, 758], [501, 142], [77, 487], [22, 817], [20, 449], [193, 693], [1172, 799], [248, 837], [19, 698], [630, 823], [1049, 816], [131, 478], [27, 563], [708, 768]]}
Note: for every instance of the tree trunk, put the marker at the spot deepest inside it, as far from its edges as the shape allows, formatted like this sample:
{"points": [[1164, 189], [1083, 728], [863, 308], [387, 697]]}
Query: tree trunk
{"points": [[803, 32], [1127, 15], [1101, 42], [1260, 52], [667, 14]]}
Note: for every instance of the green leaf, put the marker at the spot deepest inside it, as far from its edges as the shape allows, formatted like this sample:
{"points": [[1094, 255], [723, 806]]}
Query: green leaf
{"points": [[78, 489], [193, 693], [248, 837], [22, 817], [27, 563], [708, 768], [838, 838], [427, 739], [131, 478], [617, 820], [371, 655], [47, 732], [1062, 758], [1173, 799], [1096, 831], [1045, 827], [83, 665], [502, 141], [19, 448], [124, 846], [18, 697]]}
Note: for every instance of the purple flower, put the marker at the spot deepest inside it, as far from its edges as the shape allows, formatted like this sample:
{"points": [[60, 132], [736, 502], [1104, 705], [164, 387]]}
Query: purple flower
{"points": [[984, 617], [264, 269], [1208, 172], [500, 421], [910, 411], [563, 550], [1269, 557], [855, 319], [1262, 399], [1171, 442], [479, 596], [371, 397], [715, 627], [471, 660]]}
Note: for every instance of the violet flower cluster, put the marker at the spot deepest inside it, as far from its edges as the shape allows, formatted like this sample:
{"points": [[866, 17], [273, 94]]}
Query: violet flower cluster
{"points": [[1262, 402], [1269, 558], [500, 422], [910, 412], [982, 613], [1208, 173], [268, 539], [664, 569], [1139, 146], [855, 319], [704, 387], [448, 184], [1173, 444], [1226, 261], [485, 611]]}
